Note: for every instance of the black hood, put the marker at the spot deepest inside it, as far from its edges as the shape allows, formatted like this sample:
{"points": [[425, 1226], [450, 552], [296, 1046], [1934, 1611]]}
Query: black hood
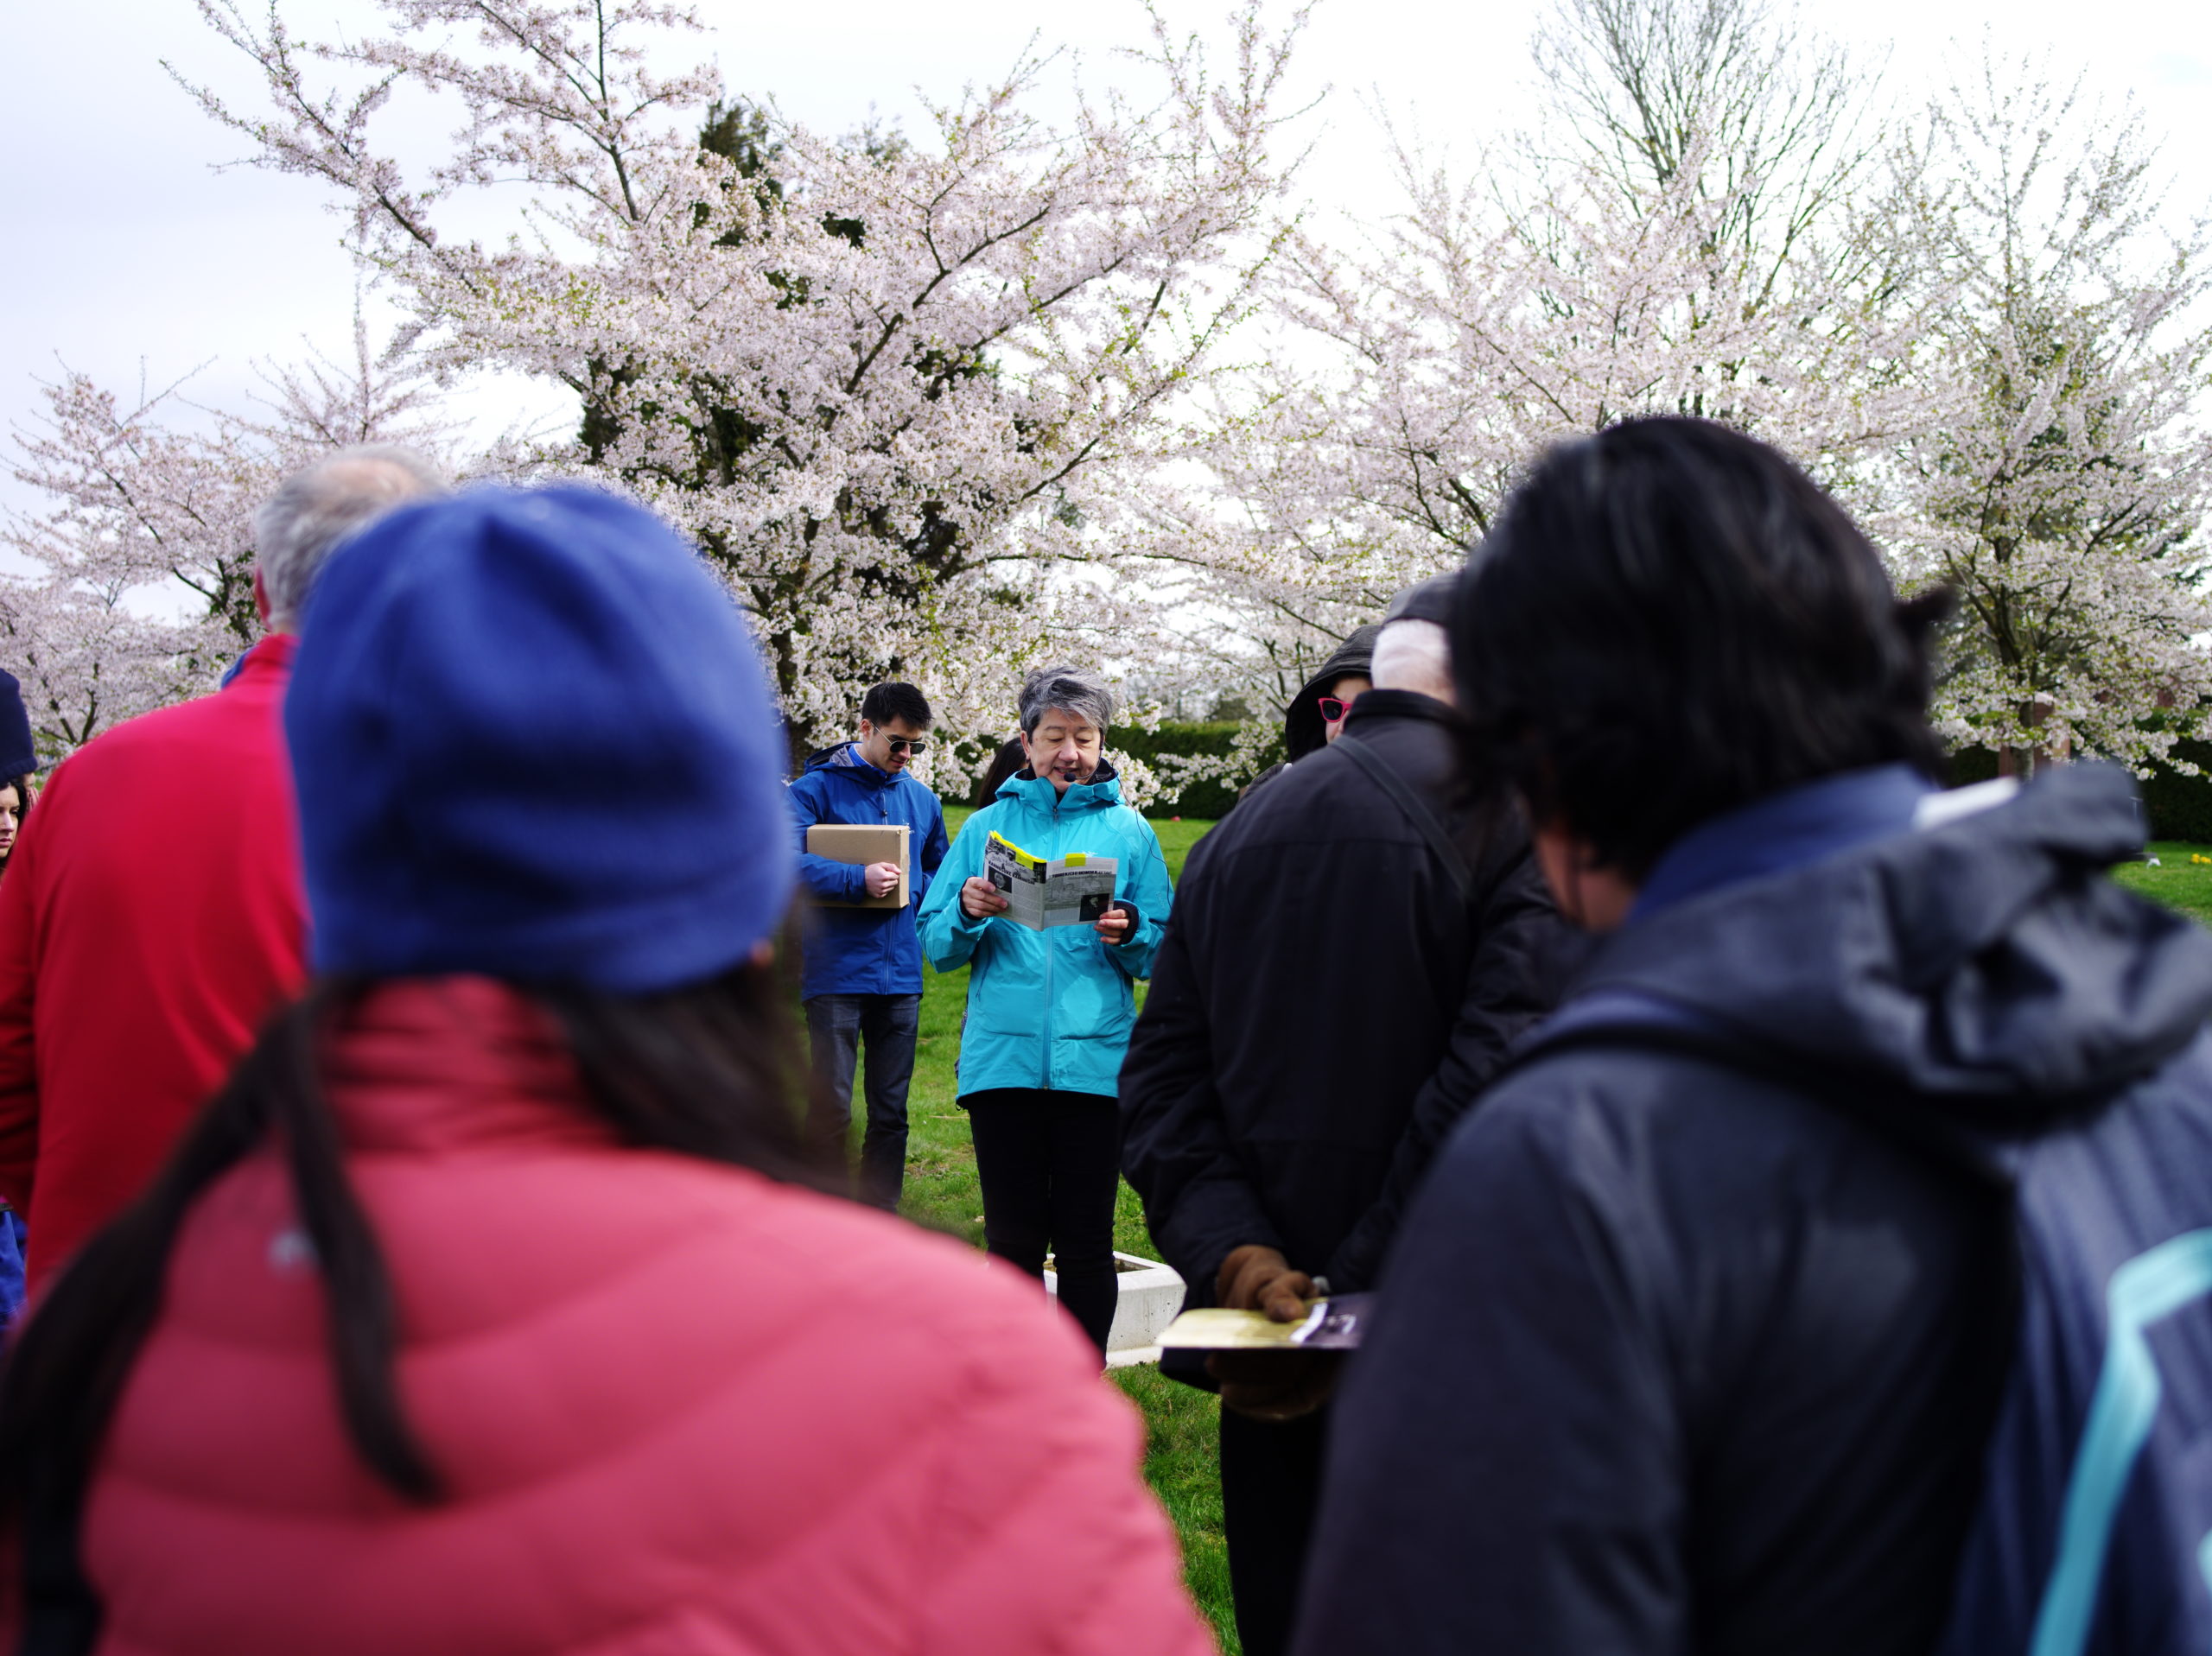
{"points": [[1303, 732], [1989, 962]]}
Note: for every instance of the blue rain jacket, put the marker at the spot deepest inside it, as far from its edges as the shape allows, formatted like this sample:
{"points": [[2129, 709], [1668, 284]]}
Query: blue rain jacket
{"points": [[1049, 1009], [862, 951]]}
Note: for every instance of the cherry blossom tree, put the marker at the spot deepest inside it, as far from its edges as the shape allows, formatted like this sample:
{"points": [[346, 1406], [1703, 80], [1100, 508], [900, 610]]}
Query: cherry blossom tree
{"points": [[933, 404], [139, 588], [901, 390], [1683, 234], [1976, 336], [2062, 487]]}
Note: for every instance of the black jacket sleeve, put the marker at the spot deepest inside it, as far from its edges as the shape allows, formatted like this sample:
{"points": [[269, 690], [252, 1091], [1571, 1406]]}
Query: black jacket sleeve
{"points": [[1199, 1201], [1521, 950], [1506, 1463]]}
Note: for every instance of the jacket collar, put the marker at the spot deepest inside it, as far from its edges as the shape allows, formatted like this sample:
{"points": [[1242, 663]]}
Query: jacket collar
{"points": [[269, 661], [844, 758], [425, 1065], [1785, 831], [1377, 706], [1103, 789]]}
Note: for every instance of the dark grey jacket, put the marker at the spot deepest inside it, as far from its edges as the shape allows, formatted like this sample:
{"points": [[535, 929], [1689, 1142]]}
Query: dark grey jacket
{"points": [[1322, 1008], [1675, 1358]]}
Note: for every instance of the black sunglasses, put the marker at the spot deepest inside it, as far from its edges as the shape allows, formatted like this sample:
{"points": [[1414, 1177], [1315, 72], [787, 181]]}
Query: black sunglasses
{"points": [[915, 745]]}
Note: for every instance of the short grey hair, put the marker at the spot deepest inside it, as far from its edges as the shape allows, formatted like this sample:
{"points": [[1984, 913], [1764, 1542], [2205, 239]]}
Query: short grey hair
{"points": [[1413, 656], [319, 506], [1078, 690]]}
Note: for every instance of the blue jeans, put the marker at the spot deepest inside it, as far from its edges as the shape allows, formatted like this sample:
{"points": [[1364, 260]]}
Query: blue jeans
{"points": [[837, 1028]]}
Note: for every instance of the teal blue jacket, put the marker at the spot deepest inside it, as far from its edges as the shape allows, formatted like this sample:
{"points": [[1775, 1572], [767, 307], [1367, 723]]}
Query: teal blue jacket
{"points": [[1053, 1008]]}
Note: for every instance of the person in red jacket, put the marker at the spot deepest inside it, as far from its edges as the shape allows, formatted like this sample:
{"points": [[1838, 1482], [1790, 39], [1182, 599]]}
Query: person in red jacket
{"points": [[151, 917], [489, 1311]]}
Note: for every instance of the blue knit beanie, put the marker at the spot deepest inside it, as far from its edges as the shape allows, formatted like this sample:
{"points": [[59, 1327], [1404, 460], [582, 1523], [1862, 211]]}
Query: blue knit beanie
{"points": [[531, 738], [18, 754]]}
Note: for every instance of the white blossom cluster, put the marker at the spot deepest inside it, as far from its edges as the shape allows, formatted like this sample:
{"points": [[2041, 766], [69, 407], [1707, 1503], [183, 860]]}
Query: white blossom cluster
{"points": [[2060, 485], [933, 405], [141, 584], [1974, 334], [899, 389]]}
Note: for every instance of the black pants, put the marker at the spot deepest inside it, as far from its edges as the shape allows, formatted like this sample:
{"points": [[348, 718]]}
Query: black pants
{"points": [[836, 1025], [1270, 1486], [1050, 1164]]}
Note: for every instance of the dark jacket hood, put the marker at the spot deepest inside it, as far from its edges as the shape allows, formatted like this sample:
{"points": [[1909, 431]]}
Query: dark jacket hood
{"points": [[1988, 962], [1302, 729]]}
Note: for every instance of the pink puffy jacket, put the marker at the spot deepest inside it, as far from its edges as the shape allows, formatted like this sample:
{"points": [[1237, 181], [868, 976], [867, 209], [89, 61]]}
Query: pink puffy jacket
{"points": [[679, 1408]]}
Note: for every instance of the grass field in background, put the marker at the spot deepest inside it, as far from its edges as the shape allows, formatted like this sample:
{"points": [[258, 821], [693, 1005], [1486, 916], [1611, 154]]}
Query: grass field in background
{"points": [[2177, 882], [1181, 1461]]}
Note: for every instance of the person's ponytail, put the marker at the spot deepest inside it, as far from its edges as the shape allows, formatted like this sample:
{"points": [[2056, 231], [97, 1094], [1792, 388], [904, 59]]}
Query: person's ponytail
{"points": [[65, 1373], [364, 1320]]}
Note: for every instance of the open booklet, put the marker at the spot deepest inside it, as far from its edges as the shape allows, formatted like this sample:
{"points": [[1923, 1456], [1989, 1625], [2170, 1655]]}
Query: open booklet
{"points": [[1073, 890], [1335, 1324]]}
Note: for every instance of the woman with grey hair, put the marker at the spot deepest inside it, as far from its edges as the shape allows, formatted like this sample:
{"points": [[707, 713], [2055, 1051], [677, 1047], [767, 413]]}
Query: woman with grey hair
{"points": [[1049, 1012]]}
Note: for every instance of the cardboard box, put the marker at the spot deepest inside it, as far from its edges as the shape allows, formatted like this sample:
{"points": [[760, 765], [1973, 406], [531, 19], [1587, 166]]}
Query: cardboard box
{"points": [[863, 844]]}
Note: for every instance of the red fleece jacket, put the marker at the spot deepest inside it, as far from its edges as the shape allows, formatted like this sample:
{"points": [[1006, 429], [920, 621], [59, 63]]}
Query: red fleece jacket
{"points": [[150, 920]]}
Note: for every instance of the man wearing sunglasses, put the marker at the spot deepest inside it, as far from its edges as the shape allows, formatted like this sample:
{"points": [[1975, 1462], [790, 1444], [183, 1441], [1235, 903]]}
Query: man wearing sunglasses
{"points": [[863, 975]]}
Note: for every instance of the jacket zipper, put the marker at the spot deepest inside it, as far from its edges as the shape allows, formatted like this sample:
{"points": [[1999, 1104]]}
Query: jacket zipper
{"points": [[1045, 937], [883, 811]]}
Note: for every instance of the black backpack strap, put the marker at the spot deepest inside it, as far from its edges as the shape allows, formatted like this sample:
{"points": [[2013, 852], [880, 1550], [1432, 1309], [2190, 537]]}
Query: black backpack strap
{"points": [[1416, 809]]}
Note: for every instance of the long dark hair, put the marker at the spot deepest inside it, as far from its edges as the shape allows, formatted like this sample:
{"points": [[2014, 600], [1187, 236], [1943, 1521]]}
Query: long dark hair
{"points": [[25, 793], [711, 1070], [1010, 757]]}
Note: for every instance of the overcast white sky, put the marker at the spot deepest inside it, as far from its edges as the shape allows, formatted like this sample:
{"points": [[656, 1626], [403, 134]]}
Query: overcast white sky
{"points": [[127, 247]]}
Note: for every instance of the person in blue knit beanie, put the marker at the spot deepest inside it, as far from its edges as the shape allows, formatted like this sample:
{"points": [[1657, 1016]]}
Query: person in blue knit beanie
{"points": [[490, 1296], [542, 639]]}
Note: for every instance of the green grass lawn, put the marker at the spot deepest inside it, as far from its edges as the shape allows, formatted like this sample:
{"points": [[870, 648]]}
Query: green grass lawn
{"points": [[2177, 881], [1181, 1461]]}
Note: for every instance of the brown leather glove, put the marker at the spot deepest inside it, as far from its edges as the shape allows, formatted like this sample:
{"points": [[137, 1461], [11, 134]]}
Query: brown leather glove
{"points": [[1270, 1384], [1275, 1385], [1255, 1278]]}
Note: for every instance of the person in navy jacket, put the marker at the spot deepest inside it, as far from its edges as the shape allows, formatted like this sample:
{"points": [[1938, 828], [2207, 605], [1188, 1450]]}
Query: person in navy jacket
{"points": [[862, 977], [1695, 1335]]}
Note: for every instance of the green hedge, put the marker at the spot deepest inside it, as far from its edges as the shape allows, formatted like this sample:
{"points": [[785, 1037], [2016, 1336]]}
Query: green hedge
{"points": [[1972, 764], [2179, 807], [2176, 807], [1206, 799]]}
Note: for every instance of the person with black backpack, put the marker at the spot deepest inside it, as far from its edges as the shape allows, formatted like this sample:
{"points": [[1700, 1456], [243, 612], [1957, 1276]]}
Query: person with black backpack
{"points": [[1830, 1274], [1349, 958]]}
